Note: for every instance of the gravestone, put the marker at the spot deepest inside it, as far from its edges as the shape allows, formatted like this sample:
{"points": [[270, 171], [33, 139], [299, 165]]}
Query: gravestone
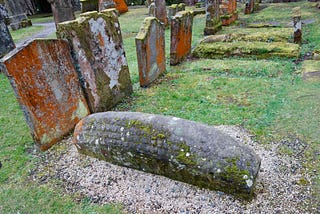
{"points": [[176, 148], [161, 11], [17, 13], [151, 9], [121, 6], [150, 46], [6, 41], [89, 5], [297, 25], [181, 36], [213, 22], [98, 51], [47, 87], [228, 10], [62, 10], [106, 4], [181, 7], [172, 10], [249, 6]]}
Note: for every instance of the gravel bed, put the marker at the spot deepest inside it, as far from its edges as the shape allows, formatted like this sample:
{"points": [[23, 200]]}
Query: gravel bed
{"points": [[282, 186]]}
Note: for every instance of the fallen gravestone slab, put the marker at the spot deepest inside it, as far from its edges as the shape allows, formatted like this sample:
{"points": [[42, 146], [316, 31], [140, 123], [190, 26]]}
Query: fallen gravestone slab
{"points": [[176, 148], [261, 50]]}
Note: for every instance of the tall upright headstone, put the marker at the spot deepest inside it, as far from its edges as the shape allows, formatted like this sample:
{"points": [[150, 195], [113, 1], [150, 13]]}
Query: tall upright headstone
{"points": [[228, 10], [213, 21], [297, 25], [62, 10], [150, 46], [161, 11], [181, 36], [98, 51], [47, 87], [6, 41]]}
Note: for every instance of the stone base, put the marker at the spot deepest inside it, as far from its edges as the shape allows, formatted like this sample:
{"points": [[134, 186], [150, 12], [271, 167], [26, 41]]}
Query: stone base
{"points": [[212, 30]]}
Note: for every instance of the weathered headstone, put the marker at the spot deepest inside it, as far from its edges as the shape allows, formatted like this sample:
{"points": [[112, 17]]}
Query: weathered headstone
{"points": [[17, 13], [249, 6], [89, 5], [106, 4], [161, 11], [6, 41], [150, 46], [172, 10], [213, 22], [181, 7], [151, 9], [47, 87], [98, 50], [181, 36], [297, 25], [228, 9], [176, 148], [121, 6], [62, 10]]}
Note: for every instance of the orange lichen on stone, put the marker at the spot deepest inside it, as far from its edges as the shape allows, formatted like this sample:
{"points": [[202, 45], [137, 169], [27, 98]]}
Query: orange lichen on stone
{"points": [[47, 88], [121, 6], [150, 46], [181, 36]]}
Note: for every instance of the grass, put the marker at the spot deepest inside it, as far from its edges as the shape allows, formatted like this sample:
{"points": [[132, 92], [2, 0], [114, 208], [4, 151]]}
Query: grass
{"points": [[19, 35], [267, 97]]}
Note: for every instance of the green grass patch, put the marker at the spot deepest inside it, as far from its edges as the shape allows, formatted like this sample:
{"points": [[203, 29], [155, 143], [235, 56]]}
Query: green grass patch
{"points": [[23, 33]]}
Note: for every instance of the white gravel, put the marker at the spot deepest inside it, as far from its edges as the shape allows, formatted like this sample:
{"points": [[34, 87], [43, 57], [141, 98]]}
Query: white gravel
{"points": [[278, 188]]}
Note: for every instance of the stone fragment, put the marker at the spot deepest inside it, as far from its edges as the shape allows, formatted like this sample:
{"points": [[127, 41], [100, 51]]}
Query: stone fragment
{"points": [[161, 11], [297, 25], [181, 36], [176, 148], [151, 9], [106, 4], [62, 10], [89, 5], [213, 22], [47, 87], [98, 51], [249, 6], [6, 41], [150, 46], [228, 10], [121, 6]]}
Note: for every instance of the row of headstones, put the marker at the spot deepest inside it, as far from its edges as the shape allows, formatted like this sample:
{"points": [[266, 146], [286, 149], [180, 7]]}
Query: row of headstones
{"points": [[58, 82]]}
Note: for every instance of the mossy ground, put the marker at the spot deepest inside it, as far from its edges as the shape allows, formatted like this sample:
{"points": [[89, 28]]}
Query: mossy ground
{"points": [[267, 97]]}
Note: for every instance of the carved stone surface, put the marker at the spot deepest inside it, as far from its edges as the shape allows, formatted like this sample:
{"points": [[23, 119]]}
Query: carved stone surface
{"points": [[150, 46], [181, 36], [161, 11], [46, 85], [62, 10], [6, 41], [176, 148], [213, 22], [98, 51]]}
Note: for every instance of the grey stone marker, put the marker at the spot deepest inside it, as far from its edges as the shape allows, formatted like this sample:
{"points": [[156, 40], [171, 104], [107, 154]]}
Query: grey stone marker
{"points": [[176, 148], [297, 25], [213, 21], [62, 10], [6, 41]]}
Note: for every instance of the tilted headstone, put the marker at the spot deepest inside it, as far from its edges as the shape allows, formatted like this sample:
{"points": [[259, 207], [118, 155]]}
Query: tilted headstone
{"points": [[121, 6], [151, 9], [62, 10], [176, 148], [98, 50], [249, 6], [150, 46], [47, 87], [181, 36], [213, 21], [106, 4], [6, 41], [161, 11], [297, 25], [228, 9]]}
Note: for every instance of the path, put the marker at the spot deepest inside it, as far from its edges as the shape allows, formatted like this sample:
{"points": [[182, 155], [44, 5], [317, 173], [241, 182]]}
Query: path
{"points": [[49, 28]]}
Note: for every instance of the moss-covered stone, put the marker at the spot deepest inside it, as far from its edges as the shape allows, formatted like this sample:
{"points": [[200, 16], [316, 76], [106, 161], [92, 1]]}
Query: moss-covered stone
{"points": [[259, 49]]}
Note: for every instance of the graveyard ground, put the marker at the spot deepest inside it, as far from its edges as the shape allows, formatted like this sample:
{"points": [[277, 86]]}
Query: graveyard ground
{"points": [[267, 97]]}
